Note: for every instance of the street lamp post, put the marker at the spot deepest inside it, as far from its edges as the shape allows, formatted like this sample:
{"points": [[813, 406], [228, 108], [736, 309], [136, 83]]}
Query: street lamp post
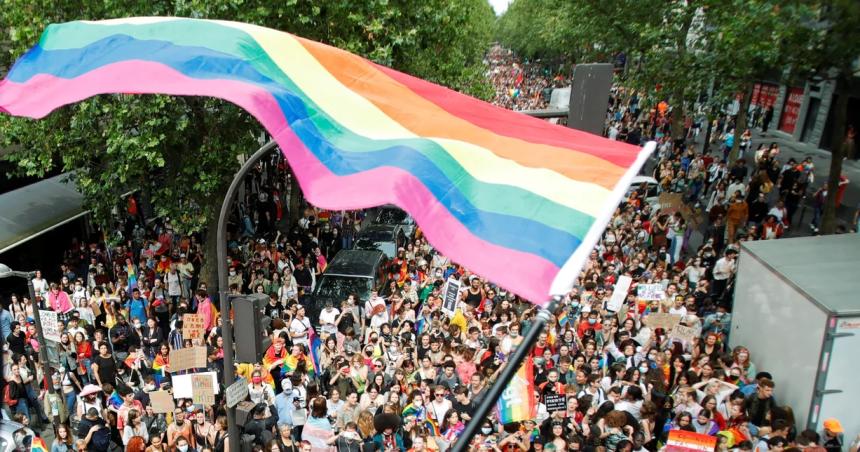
{"points": [[6, 272], [226, 325]]}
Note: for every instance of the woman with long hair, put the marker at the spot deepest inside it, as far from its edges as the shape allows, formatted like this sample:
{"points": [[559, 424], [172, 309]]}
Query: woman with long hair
{"points": [[63, 441], [161, 364], [134, 427], [452, 427], [741, 359]]}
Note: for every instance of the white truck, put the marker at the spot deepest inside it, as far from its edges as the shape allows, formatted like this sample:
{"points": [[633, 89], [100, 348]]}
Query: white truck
{"points": [[797, 309]]}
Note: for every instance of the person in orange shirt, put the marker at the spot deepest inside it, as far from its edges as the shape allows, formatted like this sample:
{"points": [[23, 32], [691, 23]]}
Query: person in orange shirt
{"points": [[736, 216]]}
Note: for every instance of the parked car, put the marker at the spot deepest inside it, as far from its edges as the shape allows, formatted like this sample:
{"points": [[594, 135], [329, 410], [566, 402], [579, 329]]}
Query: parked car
{"points": [[391, 215], [355, 272], [381, 237], [7, 431]]}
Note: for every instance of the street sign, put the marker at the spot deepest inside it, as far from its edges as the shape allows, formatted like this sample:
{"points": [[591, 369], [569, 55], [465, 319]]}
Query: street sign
{"points": [[237, 392]]}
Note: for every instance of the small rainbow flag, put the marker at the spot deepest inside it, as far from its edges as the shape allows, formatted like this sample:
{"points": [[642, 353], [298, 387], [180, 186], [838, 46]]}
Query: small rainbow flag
{"points": [[563, 319], [132, 276], [131, 361], [38, 445], [432, 427], [518, 402], [115, 400], [487, 186]]}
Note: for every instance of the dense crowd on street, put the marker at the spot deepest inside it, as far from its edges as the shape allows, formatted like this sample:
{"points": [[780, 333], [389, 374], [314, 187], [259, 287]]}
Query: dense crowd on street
{"points": [[394, 372], [521, 85]]}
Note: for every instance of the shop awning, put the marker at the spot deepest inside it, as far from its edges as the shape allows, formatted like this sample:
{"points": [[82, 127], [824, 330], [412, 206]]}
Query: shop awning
{"points": [[30, 211]]}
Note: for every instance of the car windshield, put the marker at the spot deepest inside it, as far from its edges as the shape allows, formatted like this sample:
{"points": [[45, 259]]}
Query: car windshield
{"points": [[392, 216], [375, 235], [339, 287], [388, 248]]}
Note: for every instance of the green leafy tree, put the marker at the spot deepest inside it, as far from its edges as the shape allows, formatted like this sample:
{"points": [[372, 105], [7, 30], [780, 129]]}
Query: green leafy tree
{"points": [[827, 50], [747, 41], [655, 36], [182, 152]]}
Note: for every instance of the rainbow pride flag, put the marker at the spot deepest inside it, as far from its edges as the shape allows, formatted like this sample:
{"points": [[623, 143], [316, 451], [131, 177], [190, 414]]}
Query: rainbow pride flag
{"points": [[115, 400], [38, 445], [517, 402], [563, 319], [314, 351], [132, 275], [489, 187]]}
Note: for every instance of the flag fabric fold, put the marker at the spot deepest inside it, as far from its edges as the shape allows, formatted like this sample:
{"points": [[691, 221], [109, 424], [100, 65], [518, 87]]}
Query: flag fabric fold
{"points": [[493, 189]]}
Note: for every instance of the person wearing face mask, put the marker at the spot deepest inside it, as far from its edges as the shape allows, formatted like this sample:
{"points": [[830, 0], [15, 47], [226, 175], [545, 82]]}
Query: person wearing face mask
{"points": [[183, 445], [348, 440], [260, 392]]}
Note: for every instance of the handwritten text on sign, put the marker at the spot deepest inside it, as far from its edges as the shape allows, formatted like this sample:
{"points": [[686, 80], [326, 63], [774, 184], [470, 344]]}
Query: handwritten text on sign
{"points": [[192, 326], [203, 390], [50, 325]]}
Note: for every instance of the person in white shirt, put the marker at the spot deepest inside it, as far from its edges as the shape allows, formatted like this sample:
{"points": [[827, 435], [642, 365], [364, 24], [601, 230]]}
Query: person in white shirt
{"points": [[300, 327], [724, 268], [678, 307], [290, 289], [327, 319], [613, 132], [440, 405], [376, 310], [40, 285]]}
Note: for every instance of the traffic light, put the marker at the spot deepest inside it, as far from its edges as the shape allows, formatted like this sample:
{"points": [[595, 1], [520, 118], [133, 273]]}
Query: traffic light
{"points": [[250, 325]]}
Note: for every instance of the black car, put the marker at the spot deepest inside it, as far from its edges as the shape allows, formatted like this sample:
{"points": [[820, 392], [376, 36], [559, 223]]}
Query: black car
{"points": [[381, 237], [393, 216], [354, 272]]}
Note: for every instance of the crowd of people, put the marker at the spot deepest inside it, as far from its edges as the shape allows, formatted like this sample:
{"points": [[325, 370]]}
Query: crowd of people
{"points": [[396, 372], [521, 85]]}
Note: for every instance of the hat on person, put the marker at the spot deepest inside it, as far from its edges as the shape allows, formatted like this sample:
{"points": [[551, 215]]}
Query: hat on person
{"points": [[833, 425], [89, 390]]}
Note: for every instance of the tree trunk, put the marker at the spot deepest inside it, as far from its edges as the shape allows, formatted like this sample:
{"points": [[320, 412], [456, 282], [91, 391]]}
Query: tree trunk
{"points": [[828, 220], [679, 113], [741, 123], [209, 271]]}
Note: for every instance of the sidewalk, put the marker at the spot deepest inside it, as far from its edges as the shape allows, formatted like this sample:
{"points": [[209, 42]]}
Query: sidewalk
{"points": [[790, 148]]}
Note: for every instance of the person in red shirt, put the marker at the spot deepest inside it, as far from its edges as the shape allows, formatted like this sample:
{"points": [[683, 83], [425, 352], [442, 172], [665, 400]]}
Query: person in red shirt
{"points": [[592, 322], [542, 344]]}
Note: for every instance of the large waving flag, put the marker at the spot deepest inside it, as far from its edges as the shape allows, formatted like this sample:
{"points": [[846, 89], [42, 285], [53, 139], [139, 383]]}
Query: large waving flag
{"points": [[513, 198]]}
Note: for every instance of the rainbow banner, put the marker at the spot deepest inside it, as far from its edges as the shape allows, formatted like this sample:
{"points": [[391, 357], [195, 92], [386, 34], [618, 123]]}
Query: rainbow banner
{"points": [[491, 188], [684, 441], [518, 400]]}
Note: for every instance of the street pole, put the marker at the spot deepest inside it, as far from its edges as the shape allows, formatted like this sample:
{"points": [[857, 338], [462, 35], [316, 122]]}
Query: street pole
{"points": [[511, 367], [43, 351], [226, 325]]}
